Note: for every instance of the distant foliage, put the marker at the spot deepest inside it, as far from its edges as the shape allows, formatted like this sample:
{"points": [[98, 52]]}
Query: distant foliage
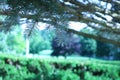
{"points": [[38, 43], [107, 51], [70, 46], [16, 42], [103, 49], [12, 42], [88, 47]]}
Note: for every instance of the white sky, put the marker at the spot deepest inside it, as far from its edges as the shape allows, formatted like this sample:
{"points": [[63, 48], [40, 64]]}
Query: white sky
{"points": [[76, 25]]}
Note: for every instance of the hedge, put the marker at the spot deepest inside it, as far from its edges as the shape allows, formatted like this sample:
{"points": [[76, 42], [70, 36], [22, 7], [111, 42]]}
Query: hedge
{"points": [[23, 68]]}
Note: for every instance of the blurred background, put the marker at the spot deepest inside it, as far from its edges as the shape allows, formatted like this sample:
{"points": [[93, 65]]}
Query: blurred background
{"points": [[46, 43]]}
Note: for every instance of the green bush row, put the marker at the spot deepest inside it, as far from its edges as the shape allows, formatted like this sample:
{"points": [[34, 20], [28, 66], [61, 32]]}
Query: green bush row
{"points": [[23, 68]]}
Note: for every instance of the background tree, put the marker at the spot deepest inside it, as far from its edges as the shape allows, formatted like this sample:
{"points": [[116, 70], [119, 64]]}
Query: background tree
{"points": [[12, 42], [66, 47], [88, 47], [39, 43], [103, 50]]}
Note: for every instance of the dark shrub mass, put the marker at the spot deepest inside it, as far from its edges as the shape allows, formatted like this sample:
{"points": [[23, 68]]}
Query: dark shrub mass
{"points": [[71, 46]]}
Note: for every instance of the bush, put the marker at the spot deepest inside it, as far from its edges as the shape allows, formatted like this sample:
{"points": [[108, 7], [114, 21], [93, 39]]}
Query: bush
{"points": [[22, 68], [65, 75]]}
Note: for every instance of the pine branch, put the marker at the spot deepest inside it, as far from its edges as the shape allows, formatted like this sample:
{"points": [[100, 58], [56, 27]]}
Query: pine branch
{"points": [[99, 38]]}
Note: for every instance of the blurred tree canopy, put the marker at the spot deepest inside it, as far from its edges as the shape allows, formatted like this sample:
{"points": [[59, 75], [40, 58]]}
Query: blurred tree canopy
{"points": [[39, 43], [103, 16], [12, 42]]}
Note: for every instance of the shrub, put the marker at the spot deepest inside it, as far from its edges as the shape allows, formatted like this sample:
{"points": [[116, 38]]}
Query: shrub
{"points": [[22, 68]]}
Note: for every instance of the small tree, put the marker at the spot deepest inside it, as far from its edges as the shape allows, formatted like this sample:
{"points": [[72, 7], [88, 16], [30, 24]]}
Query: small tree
{"points": [[66, 45]]}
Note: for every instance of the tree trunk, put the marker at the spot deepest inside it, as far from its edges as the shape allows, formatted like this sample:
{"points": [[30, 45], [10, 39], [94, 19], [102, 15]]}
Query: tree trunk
{"points": [[27, 45]]}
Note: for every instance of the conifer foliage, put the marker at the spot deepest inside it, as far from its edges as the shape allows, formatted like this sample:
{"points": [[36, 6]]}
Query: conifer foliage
{"points": [[100, 15]]}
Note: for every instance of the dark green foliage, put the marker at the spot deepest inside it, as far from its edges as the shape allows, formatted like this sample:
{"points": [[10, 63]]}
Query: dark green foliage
{"points": [[88, 47], [117, 56], [39, 8], [103, 49], [40, 5], [22, 68]]}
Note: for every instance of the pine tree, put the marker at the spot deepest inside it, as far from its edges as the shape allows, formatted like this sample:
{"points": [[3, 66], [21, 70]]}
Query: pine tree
{"points": [[102, 16]]}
